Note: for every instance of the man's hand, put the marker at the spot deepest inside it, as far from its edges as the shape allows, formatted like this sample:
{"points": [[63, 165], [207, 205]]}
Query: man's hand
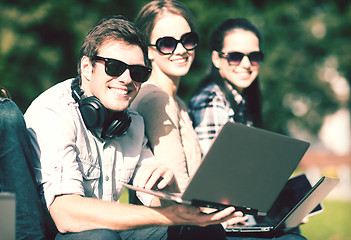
{"points": [[179, 214]]}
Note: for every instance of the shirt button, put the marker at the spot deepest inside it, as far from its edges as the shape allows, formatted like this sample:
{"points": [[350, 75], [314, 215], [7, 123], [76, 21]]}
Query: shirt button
{"points": [[107, 178]]}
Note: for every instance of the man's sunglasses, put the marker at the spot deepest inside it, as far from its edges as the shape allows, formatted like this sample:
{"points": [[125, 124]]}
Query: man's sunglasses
{"points": [[115, 68], [167, 45], [235, 58]]}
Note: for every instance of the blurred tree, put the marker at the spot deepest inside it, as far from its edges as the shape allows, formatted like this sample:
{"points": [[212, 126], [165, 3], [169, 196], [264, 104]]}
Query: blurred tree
{"points": [[40, 41]]}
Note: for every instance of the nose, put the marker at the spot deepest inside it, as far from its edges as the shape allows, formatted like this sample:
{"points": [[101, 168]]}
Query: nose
{"points": [[179, 49], [125, 77], [245, 62]]}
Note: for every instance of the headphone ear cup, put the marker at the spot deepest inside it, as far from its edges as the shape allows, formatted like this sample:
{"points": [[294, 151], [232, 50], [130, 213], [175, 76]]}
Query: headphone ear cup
{"points": [[93, 112], [121, 122]]}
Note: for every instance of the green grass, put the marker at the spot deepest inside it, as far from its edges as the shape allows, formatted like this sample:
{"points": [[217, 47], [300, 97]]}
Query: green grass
{"points": [[124, 197], [333, 224]]}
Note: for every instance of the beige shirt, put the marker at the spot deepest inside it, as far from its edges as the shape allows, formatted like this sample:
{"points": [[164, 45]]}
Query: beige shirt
{"points": [[169, 129]]}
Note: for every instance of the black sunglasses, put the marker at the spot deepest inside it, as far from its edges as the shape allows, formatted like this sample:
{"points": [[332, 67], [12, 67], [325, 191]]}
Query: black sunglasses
{"points": [[235, 58], [115, 68], [167, 45]]}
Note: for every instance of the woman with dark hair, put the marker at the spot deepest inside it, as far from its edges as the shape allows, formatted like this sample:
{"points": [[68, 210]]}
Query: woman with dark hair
{"points": [[230, 92]]}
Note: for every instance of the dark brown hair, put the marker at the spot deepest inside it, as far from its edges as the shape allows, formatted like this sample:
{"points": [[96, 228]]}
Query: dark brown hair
{"points": [[252, 94], [113, 28]]}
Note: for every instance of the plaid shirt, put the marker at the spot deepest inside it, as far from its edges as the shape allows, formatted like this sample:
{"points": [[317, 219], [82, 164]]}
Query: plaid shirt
{"points": [[210, 110]]}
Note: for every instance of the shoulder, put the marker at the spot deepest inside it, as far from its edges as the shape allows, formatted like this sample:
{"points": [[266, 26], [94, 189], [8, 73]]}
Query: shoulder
{"points": [[55, 104], [150, 96], [206, 96], [57, 95]]}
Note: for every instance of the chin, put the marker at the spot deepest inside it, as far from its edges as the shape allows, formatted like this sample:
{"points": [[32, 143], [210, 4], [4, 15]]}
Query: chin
{"points": [[118, 107], [180, 73], [244, 84]]}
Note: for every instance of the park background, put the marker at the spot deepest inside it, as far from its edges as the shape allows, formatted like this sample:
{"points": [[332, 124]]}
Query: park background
{"points": [[305, 78]]}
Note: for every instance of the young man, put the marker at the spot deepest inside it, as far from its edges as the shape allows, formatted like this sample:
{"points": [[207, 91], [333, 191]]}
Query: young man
{"points": [[90, 142]]}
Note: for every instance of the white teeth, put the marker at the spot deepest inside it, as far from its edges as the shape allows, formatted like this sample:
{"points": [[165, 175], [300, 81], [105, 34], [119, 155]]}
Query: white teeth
{"points": [[119, 91], [181, 60]]}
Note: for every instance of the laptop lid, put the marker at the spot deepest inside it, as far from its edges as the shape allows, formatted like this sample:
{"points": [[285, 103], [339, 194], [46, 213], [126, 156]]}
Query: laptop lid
{"points": [[7, 215], [319, 191], [246, 167], [296, 214], [293, 192]]}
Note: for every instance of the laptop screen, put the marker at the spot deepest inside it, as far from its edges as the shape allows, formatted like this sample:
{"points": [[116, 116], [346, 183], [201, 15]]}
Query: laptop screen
{"points": [[246, 167], [294, 190]]}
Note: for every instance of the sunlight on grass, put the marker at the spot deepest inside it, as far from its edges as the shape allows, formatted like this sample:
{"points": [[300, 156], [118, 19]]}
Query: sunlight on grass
{"points": [[333, 224], [124, 197]]}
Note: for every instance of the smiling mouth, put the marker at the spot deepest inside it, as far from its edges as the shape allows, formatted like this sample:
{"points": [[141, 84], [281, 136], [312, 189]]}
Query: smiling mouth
{"points": [[180, 60], [244, 75], [118, 91]]}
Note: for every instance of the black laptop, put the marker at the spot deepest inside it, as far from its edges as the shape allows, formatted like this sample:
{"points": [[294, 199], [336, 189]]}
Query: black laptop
{"points": [[283, 216], [246, 167]]}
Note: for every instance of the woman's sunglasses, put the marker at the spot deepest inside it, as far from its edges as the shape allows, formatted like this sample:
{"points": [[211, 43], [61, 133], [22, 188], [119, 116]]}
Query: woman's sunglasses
{"points": [[167, 45], [115, 68], [235, 58]]}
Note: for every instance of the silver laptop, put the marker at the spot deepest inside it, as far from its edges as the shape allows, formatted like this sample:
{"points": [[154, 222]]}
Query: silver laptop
{"points": [[246, 167], [7, 215], [302, 209]]}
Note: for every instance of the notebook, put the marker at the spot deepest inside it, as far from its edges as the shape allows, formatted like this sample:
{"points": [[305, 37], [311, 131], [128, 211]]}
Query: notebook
{"points": [[7, 215], [294, 217], [245, 167]]}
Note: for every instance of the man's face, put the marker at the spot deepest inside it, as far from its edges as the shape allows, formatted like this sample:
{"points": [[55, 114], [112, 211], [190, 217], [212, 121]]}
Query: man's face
{"points": [[115, 93]]}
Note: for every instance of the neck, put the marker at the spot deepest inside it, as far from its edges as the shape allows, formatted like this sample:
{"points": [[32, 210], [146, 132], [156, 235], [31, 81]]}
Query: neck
{"points": [[168, 84]]}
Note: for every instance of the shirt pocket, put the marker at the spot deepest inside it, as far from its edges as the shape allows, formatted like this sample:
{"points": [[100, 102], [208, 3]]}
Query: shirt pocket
{"points": [[91, 172]]}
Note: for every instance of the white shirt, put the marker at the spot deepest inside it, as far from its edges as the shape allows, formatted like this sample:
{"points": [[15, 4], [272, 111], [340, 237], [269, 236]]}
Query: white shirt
{"points": [[72, 159]]}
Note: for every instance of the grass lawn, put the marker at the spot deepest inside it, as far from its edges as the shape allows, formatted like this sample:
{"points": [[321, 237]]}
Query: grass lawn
{"points": [[332, 224], [124, 197]]}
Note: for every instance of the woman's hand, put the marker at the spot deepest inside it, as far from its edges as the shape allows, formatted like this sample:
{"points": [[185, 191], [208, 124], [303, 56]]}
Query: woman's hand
{"points": [[236, 221], [153, 176]]}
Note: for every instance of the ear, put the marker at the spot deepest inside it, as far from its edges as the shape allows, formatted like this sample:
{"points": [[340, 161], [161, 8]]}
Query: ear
{"points": [[215, 59], [86, 68]]}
